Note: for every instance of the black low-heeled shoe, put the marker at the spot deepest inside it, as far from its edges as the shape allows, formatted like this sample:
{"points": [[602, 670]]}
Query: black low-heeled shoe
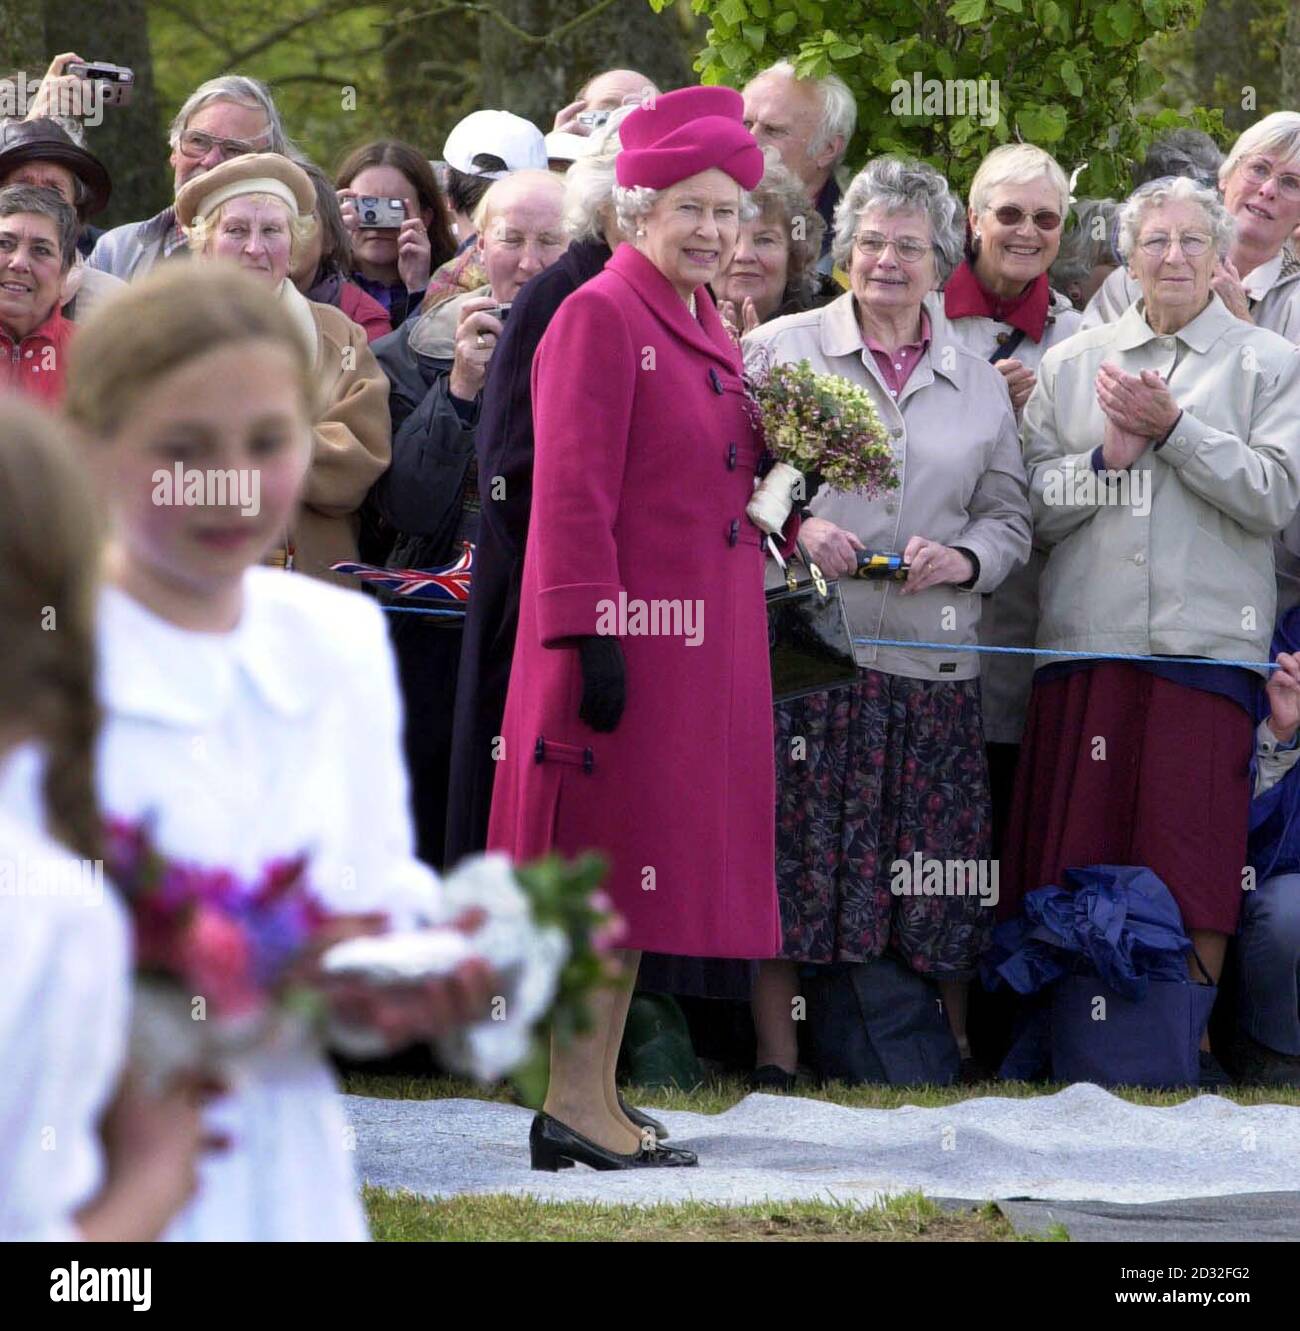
{"points": [[553, 1146], [643, 1120]]}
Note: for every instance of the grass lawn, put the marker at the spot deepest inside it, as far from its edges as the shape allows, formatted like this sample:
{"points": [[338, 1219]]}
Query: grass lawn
{"points": [[404, 1217]]}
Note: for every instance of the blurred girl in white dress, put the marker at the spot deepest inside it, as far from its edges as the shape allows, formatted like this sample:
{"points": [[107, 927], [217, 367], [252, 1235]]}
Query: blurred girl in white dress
{"points": [[82, 1155], [251, 714]]}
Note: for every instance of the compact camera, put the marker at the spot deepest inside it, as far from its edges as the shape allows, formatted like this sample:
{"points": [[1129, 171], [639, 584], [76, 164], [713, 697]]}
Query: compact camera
{"points": [[376, 214], [593, 119], [116, 82], [501, 312]]}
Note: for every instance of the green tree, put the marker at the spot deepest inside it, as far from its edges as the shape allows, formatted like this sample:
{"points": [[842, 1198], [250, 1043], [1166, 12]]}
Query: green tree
{"points": [[1069, 74]]}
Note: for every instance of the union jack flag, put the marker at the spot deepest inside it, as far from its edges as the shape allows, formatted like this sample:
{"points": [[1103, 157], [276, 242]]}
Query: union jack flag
{"points": [[449, 583]]}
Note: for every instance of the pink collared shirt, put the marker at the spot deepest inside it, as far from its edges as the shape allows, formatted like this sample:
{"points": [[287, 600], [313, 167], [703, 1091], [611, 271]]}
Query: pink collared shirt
{"points": [[896, 367]]}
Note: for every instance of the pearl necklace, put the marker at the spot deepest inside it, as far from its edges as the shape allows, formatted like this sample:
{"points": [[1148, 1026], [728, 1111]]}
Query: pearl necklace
{"points": [[690, 305]]}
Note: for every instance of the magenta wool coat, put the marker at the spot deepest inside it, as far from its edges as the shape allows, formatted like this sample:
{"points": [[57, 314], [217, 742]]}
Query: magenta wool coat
{"points": [[645, 460]]}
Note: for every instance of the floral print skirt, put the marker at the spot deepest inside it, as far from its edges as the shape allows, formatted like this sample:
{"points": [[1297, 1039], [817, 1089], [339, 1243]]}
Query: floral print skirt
{"points": [[867, 776]]}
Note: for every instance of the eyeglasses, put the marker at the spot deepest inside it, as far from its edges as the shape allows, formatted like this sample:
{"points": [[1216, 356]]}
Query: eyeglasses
{"points": [[1259, 171], [1193, 244], [873, 245], [1044, 219], [194, 143]]}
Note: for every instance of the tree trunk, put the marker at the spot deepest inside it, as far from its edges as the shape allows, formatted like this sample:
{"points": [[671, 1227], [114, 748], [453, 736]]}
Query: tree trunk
{"points": [[1289, 58], [130, 140], [535, 80], [22, 37]]}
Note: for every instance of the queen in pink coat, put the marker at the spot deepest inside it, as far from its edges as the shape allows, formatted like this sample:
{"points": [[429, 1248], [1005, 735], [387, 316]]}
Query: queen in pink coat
{"points": [[639, 716]]}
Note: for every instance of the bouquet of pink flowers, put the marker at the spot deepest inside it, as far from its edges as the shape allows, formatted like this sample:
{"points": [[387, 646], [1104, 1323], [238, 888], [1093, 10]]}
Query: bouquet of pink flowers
{"points": [[214, 954]]}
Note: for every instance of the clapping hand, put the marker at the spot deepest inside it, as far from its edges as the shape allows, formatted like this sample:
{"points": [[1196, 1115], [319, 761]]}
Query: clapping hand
{"points": [[738, 326], [1020, 382], [1138, 404], [1226, 283], [1283, 690]]}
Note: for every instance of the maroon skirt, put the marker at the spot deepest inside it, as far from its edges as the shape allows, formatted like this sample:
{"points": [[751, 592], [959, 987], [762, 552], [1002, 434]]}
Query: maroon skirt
{"points": [[1121, 766]]}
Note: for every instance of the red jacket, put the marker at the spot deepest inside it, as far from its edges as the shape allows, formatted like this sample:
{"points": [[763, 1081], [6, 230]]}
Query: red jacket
{"points": [[364, 310], [37, 365]]}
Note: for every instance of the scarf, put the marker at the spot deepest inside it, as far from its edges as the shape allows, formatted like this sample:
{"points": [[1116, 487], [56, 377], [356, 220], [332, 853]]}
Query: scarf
{"points": [[964, 297]]}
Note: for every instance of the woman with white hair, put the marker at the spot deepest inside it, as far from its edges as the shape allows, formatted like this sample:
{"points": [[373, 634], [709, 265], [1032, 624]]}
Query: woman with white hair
{"points": [[1000, 305], [504, 447], [895, 763], [257, 211], [1162, 454], [1258, 277]]}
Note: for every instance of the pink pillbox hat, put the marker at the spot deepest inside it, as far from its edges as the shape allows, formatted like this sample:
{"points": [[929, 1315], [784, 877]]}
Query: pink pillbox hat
{"points": [[682, 133]]}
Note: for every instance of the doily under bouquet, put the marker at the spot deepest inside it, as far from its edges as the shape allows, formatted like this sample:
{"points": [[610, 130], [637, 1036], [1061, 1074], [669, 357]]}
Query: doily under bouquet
{"points": [[547, 933], [219, 973], [821, 430]]}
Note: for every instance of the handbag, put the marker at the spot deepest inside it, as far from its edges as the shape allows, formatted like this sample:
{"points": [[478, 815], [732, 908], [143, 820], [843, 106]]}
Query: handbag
{"points": [[1152, 1041], [808, 633]]}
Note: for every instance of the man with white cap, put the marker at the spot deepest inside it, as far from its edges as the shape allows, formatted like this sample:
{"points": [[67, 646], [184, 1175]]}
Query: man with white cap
{"points": [[483, 147]]}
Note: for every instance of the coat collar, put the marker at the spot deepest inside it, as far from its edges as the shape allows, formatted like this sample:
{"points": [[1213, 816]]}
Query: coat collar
{"points": [[1132, 329], [841, 336], [299, 308], [706, 333], [155, 670]]}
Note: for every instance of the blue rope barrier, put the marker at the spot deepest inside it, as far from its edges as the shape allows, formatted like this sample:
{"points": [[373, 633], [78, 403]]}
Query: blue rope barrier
{"points": [[1050, 651], [420, 610]]}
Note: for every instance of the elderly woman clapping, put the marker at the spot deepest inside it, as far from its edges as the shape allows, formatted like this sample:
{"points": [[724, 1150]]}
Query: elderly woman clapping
{"points": [[1162, 454], [256, 211], [900, 752]]}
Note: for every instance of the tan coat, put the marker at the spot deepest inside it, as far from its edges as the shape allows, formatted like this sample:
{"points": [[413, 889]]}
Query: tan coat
{"points": [[1274, 292], [1193, 574], [961, 483], [353, 438]]}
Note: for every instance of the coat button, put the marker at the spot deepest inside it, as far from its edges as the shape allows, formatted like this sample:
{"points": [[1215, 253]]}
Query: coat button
{"points": [[733, 534], [731, 457], [716, 381]]}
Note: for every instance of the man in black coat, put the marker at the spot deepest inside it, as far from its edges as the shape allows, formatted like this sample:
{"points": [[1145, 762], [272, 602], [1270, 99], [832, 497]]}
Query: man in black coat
{"points": [[504, 447]]}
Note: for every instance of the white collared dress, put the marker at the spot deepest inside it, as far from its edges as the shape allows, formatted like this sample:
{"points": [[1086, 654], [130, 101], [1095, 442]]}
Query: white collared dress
{"points": [[64, 995], [279, 738]]}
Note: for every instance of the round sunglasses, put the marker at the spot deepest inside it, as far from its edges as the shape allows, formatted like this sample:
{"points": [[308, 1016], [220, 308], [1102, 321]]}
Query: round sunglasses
{"points": [[1044, 219]]}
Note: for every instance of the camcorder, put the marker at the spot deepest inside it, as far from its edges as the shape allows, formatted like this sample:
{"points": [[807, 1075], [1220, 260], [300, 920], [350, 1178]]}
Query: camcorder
{"points": [[115, 83], [376, 214]]}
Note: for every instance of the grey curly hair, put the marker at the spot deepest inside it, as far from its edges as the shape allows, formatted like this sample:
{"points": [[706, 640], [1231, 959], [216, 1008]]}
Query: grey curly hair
{"points": [[1179, 189], [901, 185]]}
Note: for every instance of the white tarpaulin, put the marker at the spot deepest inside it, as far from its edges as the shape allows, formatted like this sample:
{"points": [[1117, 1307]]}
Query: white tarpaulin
{"points": [[1081, 1143]]}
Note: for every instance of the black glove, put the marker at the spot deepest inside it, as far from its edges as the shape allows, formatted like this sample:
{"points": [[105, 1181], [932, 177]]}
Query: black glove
{"points": [[604, 682]]}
